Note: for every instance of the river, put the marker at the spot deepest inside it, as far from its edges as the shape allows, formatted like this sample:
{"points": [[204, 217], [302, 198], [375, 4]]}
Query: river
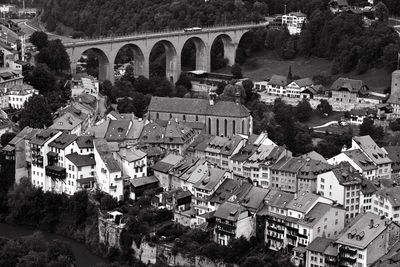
{"points": [[83, 257]]}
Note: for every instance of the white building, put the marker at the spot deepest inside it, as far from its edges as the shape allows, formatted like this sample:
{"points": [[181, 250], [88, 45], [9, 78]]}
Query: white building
{"points": [[43, 174], [386, 202], [358, 161], [108, 173], [294, 21], [18, 94], [80, 172], [344, 187], [132, 161], [377, 155], [85, 86]]}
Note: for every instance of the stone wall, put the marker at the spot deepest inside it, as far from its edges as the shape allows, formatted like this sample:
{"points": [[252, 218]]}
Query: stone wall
{"points": [[109, 233], [152, 253]]}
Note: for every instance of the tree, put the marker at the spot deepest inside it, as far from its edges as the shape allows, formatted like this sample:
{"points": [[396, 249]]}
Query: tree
{"points": [[39, 39], [248, 86], [126, 105], [36, 113], [303, 110], [107, 202], [143, 85], [6, 138], [236, 71], [324, 107], [55, 56], [129, 75], [368, 128], [395, 125], [233, 91], [106, 88], [253, 261], [290, 75], [184, 81], [381, 12], [390, 56], [42, 79]]}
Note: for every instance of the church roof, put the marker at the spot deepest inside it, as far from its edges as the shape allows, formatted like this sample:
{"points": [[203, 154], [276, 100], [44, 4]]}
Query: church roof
{"points": [[198, 107]]}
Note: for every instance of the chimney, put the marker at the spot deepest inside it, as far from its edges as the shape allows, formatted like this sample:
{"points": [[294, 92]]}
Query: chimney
{"points": [[371, 224]]}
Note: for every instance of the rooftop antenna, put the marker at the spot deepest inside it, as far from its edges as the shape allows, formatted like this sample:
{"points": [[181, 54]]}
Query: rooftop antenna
{"points": [[284, 10]]}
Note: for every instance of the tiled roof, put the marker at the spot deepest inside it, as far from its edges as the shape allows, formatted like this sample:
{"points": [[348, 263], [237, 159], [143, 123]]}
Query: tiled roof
{"points": [[289, 164], [105, 150], [43, 136], [85, 141], [81, 160], [314, 155], [136, 182], [368, 187], [373, 151], [347, 177], [66, 122], [131, 154], [368, 227], [278, 80], [320, 244], [303, 201], [353, 86], [254, 199], [229, 211], [393, 153], [223, 145], [117, 130], [63, 140], [211, 179], [278, 198], [167, 163], [228, 188], [197, 106], [304, 82], [312, 168], [315, 214], [392, 194], [360, 159]]}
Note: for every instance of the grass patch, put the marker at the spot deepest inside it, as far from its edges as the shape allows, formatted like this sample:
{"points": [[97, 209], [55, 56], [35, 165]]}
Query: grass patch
{"points": [[339, 129], [264, 64], [317, 120]]}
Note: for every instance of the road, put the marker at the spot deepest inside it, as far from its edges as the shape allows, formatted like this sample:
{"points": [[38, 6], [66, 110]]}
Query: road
{"points": [[28, 29]]}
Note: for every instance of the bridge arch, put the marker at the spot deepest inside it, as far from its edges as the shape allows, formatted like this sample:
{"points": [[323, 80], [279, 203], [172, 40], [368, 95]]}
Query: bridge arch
{"points": [[244, 46], [105, 64], [229, 47], [140, 67], [172, 60], [201, 56]]}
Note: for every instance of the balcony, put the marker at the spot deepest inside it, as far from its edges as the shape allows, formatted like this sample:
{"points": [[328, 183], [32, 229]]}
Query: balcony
{"points": [[348, 259], [276, 230], [274, 238], [345, 250], [302, 236], [52, 158], [56, 172], [225, 230]]}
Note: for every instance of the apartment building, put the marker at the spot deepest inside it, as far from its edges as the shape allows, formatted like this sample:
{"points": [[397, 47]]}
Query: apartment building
{"points": [[109, 174], [368, 239], [358, 160], [80, 172], [377, 155], [44, 172], [342, 185], [232, 221]]}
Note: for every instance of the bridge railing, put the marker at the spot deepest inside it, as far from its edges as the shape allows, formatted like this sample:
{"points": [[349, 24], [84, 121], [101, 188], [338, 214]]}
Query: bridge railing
{"points": [[167, 31]]}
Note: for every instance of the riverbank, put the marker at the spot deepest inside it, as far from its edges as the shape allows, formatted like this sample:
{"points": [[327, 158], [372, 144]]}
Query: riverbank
{"points": [[82, 255]]}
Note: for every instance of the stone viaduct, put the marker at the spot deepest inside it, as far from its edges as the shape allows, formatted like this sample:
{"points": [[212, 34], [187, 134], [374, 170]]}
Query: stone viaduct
{"points": [[106, 49]]}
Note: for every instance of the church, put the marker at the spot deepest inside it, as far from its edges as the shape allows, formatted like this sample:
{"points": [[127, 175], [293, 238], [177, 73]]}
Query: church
{"points": [[221, 118]]}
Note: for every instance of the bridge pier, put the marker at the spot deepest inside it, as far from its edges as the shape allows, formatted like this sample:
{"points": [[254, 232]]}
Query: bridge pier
{"points": [[173, 63]]}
